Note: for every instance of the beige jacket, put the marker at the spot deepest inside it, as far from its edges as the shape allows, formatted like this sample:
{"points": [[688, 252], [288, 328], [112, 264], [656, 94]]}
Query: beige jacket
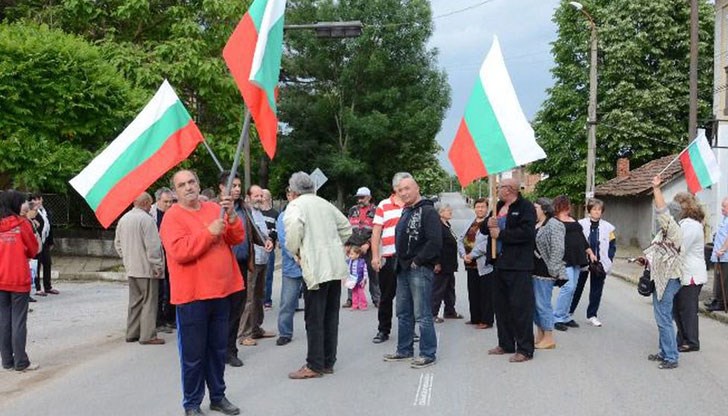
{"points": [[137, 242], [316, 233]]}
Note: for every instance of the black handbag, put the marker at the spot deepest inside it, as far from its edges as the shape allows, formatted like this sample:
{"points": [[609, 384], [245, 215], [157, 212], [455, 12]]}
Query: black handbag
{"points": [[596, 269], [645, 286]]}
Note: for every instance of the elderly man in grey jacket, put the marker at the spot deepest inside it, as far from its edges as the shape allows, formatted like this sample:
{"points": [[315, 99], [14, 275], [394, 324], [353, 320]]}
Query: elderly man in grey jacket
{"points": [[138, 243], [316, 232]]}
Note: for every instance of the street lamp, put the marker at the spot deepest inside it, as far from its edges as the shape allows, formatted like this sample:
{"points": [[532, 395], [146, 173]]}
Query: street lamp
{"points": [[592, 117], [351, 29]]}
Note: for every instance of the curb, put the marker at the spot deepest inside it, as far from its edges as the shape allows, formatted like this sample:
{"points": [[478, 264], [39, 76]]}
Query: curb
{"points": [[716, 316], [93, 276]]}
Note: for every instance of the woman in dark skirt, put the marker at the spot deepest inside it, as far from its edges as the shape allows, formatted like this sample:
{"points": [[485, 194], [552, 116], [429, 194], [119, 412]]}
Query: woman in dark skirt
{"points": [[443, 283]]}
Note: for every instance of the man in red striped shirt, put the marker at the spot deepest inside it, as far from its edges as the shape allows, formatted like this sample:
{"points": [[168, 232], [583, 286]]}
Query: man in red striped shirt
{"points": [[384, 258]]}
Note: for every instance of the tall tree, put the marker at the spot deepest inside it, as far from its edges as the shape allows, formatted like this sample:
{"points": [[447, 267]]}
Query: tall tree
{"points": [[360, 109], [61, 101], [643, 87], [149, 40]]}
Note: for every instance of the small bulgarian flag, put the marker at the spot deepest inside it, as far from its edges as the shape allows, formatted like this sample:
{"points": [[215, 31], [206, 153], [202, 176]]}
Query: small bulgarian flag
{"points": [[253, 55], [159, 138], [699, 164], [494, 135]]}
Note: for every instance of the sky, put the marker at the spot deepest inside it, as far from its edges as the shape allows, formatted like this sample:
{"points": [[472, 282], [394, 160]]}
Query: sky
{"points": [[525, 31]]}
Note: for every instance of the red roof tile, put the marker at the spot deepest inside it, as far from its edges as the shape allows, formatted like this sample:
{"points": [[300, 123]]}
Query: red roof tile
{"points": [[639, 181]]}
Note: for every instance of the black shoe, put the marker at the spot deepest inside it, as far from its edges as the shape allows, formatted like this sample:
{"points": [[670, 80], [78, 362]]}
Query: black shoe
{"points": [[572, 324], [715, 307], [347, 304], [711, 304], [380, 337], [225, 406], [234, 361], [193, 412], [31, 299], [132, 339], [687, 348], [282, 341], [667, 365], [560, 326]]}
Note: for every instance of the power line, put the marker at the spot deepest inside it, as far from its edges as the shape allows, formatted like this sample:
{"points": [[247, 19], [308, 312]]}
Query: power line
{"points": [[440, 16]]}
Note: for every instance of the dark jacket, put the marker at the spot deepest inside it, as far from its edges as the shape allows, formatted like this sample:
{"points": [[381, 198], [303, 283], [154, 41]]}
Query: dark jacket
{"points": [[449, 253], [518, 239], [418, 236]]}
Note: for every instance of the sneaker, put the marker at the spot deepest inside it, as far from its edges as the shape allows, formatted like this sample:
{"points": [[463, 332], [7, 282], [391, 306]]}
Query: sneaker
{"points": [[380, 337], [396, 357], [29, 367], [655, 357], [422, 362], [594, 321], [667, 365], [282, 341], [347, 304]]}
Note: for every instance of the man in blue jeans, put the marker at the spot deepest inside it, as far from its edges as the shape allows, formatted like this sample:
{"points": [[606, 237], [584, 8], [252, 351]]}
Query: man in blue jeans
{"points": [[418, 241], [292, 280]]}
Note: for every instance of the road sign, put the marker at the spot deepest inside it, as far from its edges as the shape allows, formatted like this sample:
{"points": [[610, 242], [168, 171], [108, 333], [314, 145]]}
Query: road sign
{"points": [[319, 179]]}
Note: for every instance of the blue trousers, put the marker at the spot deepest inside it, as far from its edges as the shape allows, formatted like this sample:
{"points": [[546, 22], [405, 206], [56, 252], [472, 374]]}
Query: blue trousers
{"points": [[202, 332], [414, 305]]}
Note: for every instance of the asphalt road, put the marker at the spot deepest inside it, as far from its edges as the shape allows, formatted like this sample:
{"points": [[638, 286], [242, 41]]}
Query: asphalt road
{"points": [[88, 369]]}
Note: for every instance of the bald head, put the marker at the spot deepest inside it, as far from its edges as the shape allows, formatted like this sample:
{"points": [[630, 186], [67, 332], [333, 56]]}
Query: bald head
{"points": [[143, 201], [508, 190]]}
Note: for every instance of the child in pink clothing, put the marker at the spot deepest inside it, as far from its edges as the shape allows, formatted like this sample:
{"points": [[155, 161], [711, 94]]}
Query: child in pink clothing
{"points": [[358, 276]]}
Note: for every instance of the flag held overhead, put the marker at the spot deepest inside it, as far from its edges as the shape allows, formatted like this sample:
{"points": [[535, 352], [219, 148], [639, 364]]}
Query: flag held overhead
{"points": [[699, 164], [494, 135], [158, 139], [253, 55]]}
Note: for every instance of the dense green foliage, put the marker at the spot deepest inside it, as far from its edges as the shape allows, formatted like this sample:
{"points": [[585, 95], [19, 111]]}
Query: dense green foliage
{"points": [[643, 87], [362, 109], [61, 100]]}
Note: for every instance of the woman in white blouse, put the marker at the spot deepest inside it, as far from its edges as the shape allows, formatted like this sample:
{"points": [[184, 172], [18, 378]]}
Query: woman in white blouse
{"points": [[694, 274]]}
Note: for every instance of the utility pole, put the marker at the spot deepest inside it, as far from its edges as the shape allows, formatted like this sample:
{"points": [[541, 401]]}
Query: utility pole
{"points": [[591, 143], [693, 114]]}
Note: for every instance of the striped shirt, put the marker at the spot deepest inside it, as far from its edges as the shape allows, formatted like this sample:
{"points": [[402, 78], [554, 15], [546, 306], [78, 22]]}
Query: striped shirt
{"points": [[387, 215]]}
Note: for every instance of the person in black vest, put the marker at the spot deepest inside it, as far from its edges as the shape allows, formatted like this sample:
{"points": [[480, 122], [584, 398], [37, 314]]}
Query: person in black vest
{"points": [[514, 228], [443, 283]]}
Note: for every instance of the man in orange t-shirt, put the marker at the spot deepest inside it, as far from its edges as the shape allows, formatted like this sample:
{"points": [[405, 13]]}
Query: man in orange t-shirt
{"points": [[202, 273]]}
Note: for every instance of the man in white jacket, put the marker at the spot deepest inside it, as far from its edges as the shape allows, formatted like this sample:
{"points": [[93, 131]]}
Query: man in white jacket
{"points": [[316, 232]]}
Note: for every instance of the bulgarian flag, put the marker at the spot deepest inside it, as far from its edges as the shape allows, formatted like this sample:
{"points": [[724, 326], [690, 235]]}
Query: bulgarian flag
{"points": [[699, 164], [159, 138], [253, 55], [494, 135]]}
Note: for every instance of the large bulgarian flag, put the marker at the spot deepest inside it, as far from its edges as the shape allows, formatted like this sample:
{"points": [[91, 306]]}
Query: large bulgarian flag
{"points": [[253, 55], [159, 138], [494, 135], [699, 164]]}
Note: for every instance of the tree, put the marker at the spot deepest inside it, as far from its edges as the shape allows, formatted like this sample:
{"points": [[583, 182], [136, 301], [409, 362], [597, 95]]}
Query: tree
{"points": [[643, 88], [61, 101], [150, 40], [360, 109]]}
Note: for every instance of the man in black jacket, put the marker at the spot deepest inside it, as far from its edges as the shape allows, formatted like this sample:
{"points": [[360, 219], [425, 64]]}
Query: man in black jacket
{"points": [[514, 228], [418, 241]]}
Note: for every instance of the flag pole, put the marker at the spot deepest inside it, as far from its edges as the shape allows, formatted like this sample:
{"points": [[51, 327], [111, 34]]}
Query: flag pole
{"points": [[236, 161], [492, 203], [676, 158], [212, 154]]}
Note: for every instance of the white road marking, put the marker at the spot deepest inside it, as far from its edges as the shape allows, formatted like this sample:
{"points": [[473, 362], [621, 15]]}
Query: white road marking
{"points": [[423, 396]]}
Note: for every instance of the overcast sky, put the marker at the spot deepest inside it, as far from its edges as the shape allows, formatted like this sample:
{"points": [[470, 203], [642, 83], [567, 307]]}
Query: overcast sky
{"points": [[525, 31]]}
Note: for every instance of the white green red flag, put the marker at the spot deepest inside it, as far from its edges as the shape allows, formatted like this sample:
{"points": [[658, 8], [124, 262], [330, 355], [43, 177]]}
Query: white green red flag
{"points": [[253, 55], [159, 138], [699, 164], [494, 135]]}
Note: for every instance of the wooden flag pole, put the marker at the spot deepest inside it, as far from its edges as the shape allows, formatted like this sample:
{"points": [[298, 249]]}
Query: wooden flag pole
{"points": [[492, 202], [236, 160]]}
